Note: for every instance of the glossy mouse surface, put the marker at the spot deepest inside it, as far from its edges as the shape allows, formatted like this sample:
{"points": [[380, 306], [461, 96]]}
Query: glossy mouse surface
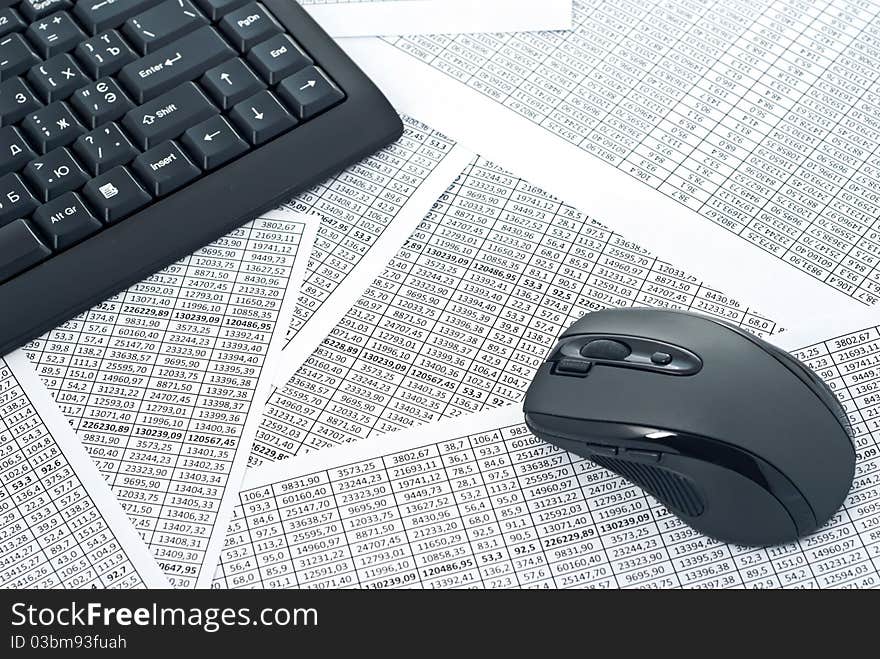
{"points": [[736, 437]]}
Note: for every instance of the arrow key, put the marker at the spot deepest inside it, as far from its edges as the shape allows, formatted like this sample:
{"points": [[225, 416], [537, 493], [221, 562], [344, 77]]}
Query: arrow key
{"points": [[213, 143], [262, 117], [309, 92], [231, 82]]}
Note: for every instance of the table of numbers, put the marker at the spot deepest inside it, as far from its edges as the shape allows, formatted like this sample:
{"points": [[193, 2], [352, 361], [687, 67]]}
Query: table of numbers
{"points": [[466, 312], [159, 381], [358, 206], [763, 117], [494, 507], [52, 532]]}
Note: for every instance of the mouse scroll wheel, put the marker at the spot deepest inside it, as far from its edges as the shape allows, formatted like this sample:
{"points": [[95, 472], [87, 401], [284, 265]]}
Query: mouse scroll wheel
{"points": [[606, 349]]}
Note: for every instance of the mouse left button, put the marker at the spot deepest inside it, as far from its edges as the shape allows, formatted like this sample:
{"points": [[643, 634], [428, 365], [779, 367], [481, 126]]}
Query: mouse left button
{"points": [[606, 349]]}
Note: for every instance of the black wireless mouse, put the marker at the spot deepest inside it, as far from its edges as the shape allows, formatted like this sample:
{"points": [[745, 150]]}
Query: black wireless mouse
{"points": [[734, 436]]}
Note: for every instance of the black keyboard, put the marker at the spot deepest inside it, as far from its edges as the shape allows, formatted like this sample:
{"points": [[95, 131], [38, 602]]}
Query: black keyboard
{"points": [[133, 132]]}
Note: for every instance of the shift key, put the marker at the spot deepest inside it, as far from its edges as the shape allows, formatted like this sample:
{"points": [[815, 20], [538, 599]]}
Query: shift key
{"points": [[168, 115], [185, 59]]}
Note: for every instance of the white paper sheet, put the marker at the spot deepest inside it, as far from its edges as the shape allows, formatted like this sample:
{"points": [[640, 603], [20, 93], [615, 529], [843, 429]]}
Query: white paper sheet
{"points": [[354, 18], [467, 310], [165, 383], [735, 139], [60, 525], [477, 501], [367, 212]]}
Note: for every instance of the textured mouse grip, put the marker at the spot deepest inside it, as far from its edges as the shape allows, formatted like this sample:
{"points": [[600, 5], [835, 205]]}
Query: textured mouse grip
{"points": [[675, 491]]}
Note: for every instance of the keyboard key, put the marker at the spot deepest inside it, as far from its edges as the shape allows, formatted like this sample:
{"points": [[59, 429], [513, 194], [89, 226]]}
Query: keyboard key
{"points": [[98, 15], [162, 24], [115, 195], [104, 148], [16, 100], [216, 8], [16, 56], [10, 22], [65, 221], [175, 63], [164, 169], [104, 54], [15, 152], [20, 249], [277, 58], [100, 102], [57, 33], [15, 199], [168, 115], [261, 117], [35, 9], [249, 25], [213, 143], [309, 93], [231, 82], [57, 78], [52, 126], [54, 174]]}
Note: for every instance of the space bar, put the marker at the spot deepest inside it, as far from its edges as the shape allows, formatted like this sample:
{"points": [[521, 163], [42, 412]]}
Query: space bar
{"points": [[185, 59]]}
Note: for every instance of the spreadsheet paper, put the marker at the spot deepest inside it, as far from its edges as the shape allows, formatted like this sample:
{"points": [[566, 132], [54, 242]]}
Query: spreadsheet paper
{"points": [[165, 383], [355, 18], [477, 501], [737, 139], [466, 311], [366, 213], [60, 526]]}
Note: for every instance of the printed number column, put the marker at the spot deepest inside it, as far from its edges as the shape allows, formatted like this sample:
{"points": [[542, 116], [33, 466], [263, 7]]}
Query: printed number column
{"points": [[434, 527], [838, 555], [432, 295], [190, 357], [471, 486], [373, 528], [23, 561]]}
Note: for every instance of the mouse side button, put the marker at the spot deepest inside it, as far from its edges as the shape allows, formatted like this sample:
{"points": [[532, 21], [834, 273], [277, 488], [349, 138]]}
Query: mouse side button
{"points": [[575, 367], [642, 456]]}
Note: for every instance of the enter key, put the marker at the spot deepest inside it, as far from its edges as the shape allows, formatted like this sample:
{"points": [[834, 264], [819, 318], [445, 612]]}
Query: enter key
{"points": [[169, 115]]}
